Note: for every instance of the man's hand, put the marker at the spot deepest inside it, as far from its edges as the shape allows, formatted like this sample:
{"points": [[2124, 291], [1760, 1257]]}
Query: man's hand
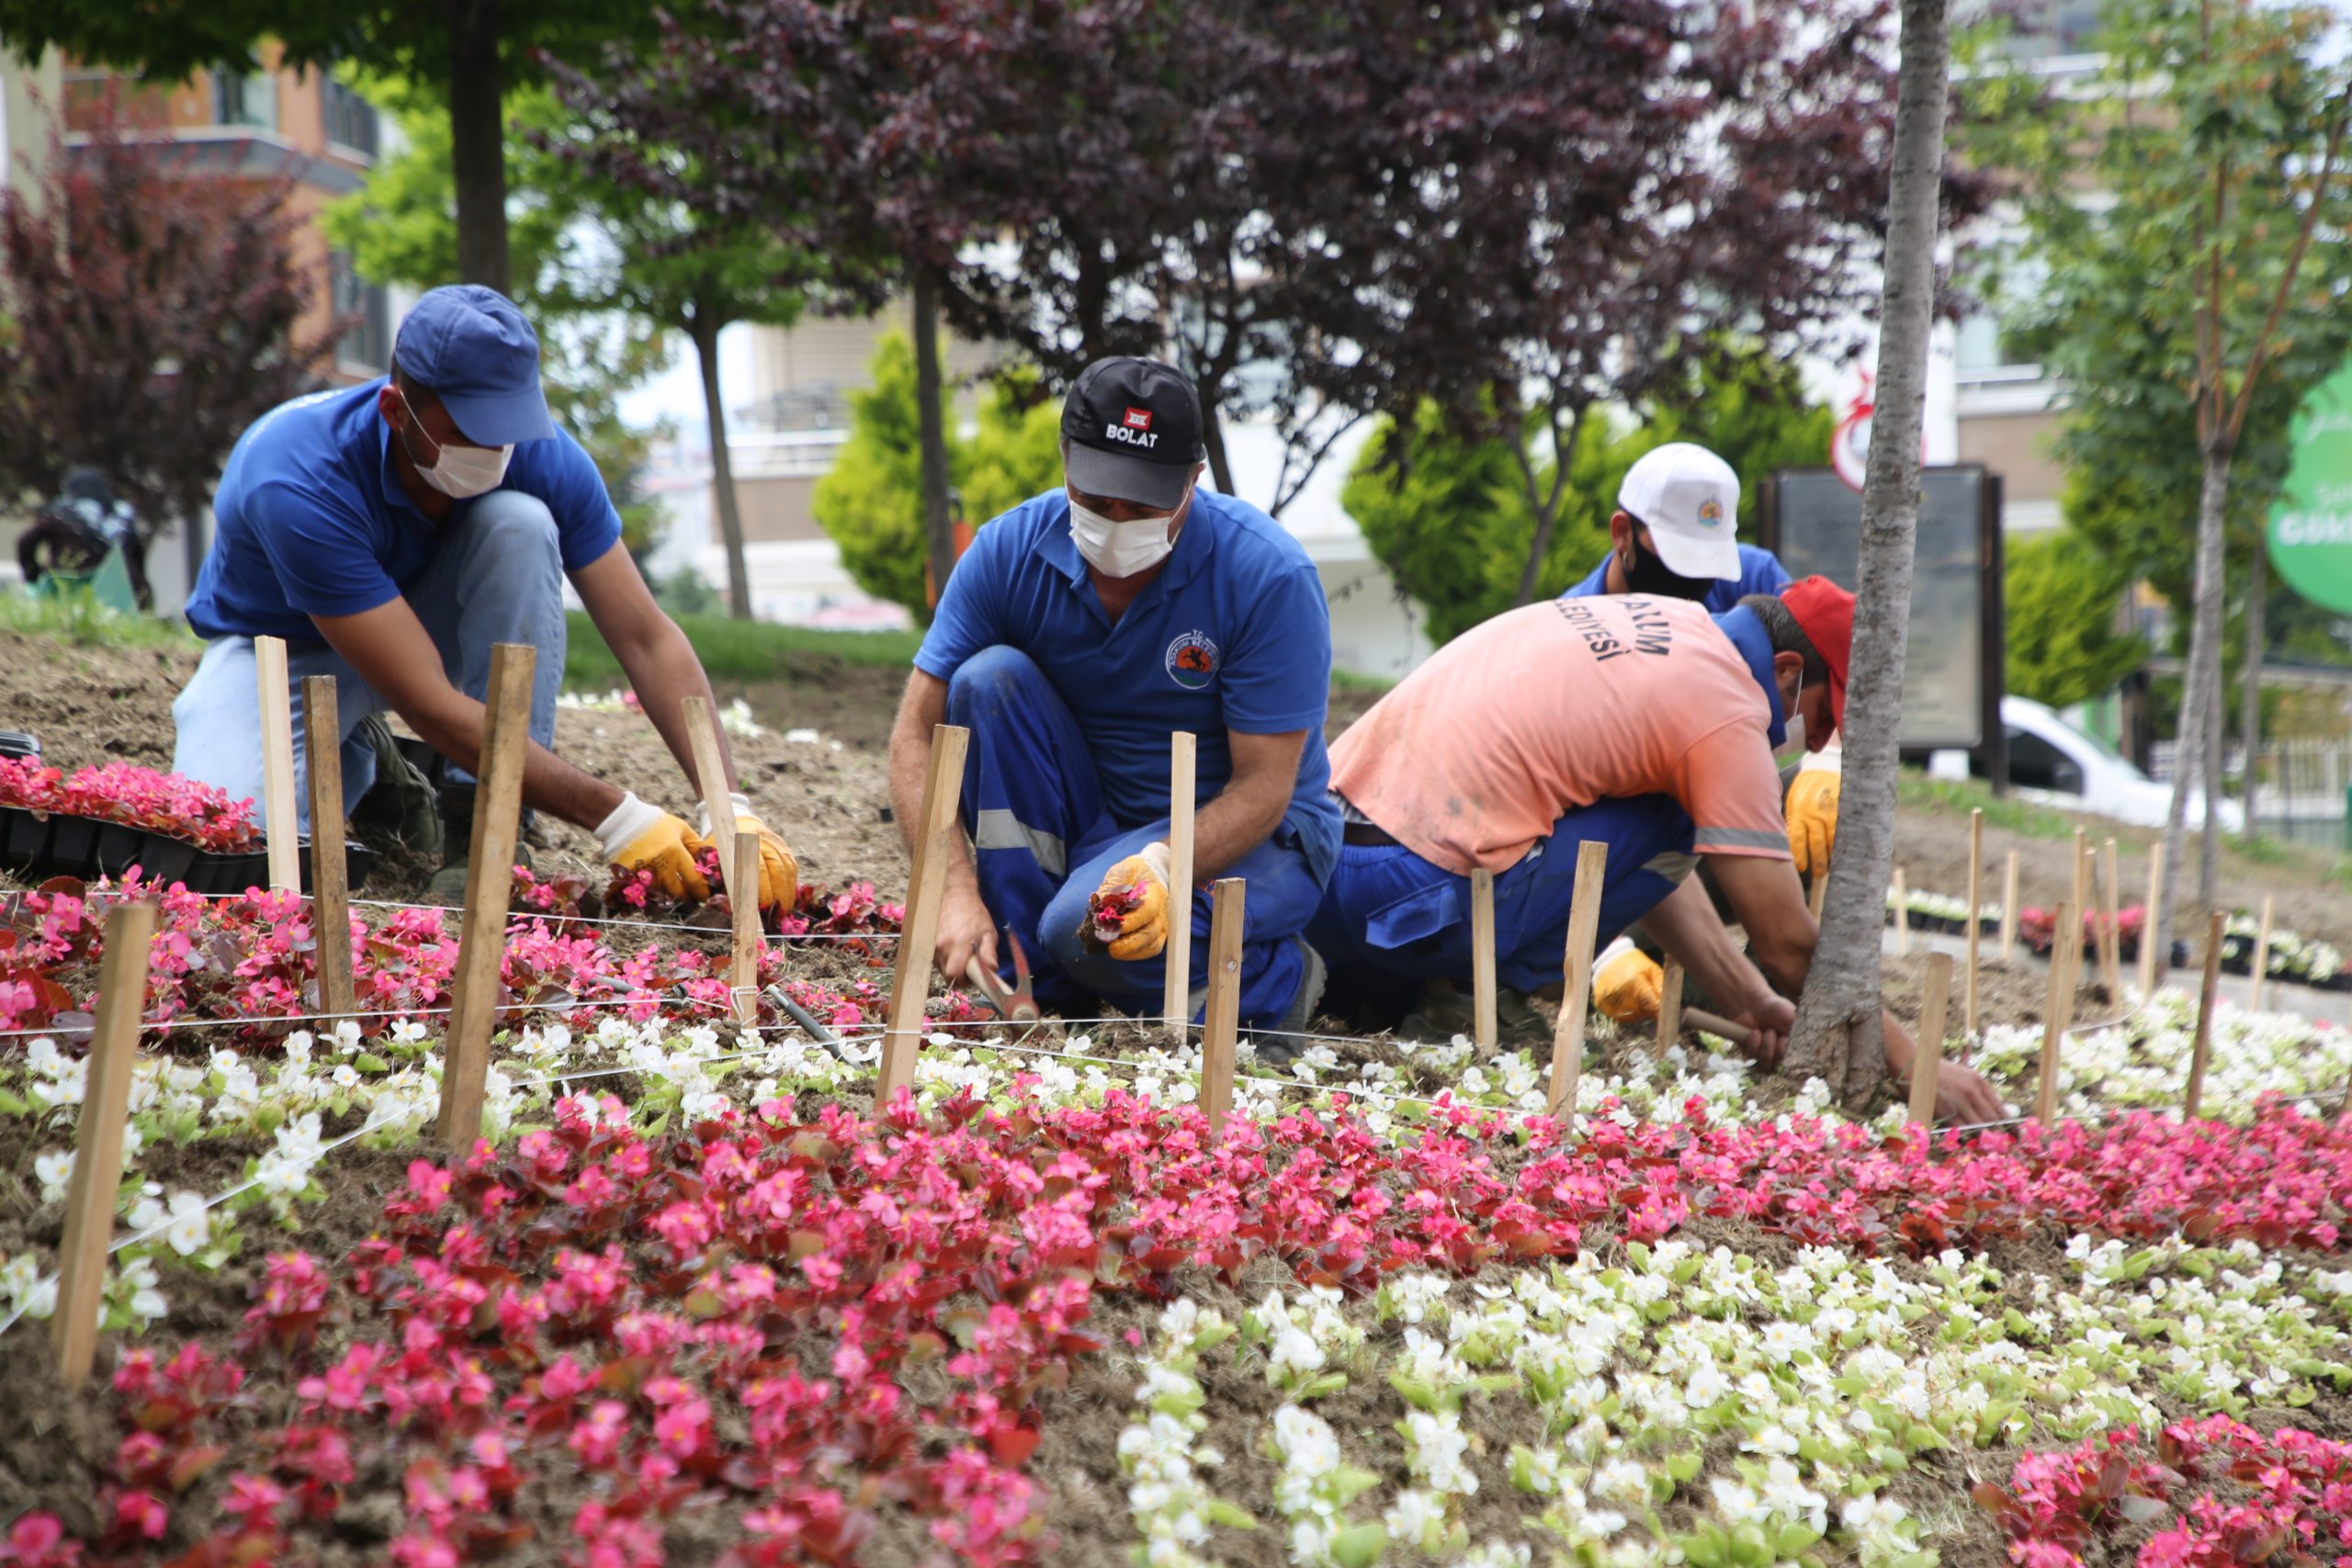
{"points": [[1770, 1016], [1810, 810], [967, 930], [1129, 914], [1962, 1094], [638, 836], [1627, 984], [779, 871]]}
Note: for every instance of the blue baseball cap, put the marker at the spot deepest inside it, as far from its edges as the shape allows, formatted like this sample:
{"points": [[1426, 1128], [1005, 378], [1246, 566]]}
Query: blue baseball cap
{"points": [[473, 348]]}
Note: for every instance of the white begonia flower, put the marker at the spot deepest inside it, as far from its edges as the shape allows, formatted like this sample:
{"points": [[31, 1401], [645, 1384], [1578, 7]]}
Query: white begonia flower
{"points": [[53, 1171], [1439, 1447], [1623, 1479], [190, 1226], [1416, 1519]]}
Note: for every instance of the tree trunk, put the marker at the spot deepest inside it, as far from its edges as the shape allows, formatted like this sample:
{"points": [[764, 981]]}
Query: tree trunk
{"points": [[2217, 751], [704, 329], [2196, 693], [1213, 436], [2250, 703], [1543, 507], [938, 529], [1837, 1035], [477, 142]]}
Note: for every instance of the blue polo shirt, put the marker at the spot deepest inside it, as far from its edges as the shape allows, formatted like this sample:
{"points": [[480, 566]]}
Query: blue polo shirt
{"points": [[1232, 634], [310, 518], [1745, 630], [1759, 573]]}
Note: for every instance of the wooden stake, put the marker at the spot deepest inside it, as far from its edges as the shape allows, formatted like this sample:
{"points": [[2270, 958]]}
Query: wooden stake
{"points": [[1902, 915], [330, 872], [1176, 992], [277, 765], [97, 1139], [489, 882], [1976, 917], [1928, 1063], [2082, 873], [2009, 908], [2057, 1010], [1584, 924], [2151, 964], [710, 769], [2262, 954], [2110, 946], [1669, 1006], [1223, 1010], [1482, 960], [2215, 931], [942, 790], [743, 901], [1699, 1021]]}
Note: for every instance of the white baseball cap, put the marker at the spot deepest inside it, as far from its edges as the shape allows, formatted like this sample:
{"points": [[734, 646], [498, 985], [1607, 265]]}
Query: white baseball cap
{"points": [[1688, 498]]}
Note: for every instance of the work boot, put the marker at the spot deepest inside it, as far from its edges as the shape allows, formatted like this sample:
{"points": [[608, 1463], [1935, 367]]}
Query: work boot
{"points": [[447, 888], [1281, 1045], [399, 806]]}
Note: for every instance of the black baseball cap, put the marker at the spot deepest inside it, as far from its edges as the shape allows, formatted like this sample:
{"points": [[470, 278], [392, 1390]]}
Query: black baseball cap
{"points": [[1134, 430]]}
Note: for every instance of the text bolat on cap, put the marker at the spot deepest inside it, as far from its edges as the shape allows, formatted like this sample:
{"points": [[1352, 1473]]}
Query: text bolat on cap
{"points": [[1134, 429]]}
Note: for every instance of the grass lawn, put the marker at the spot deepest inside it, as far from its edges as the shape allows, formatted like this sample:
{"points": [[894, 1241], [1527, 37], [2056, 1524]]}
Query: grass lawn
{"points": [[737, 651]]}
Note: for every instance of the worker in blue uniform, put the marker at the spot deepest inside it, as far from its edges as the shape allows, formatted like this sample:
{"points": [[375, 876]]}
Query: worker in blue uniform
{"points": [[1083, 627]]}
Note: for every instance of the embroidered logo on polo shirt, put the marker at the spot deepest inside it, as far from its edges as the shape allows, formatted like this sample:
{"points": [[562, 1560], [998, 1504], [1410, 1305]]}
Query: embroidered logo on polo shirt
{"points": [[1192, 662]]}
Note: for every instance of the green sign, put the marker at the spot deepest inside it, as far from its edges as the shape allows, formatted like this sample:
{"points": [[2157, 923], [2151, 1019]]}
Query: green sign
{"points": [[2310, 530]]}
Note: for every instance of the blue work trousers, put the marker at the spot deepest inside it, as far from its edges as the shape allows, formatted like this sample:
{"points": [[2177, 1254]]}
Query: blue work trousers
{"points": [[497, 577], [1043, 840], [1391, 920]]}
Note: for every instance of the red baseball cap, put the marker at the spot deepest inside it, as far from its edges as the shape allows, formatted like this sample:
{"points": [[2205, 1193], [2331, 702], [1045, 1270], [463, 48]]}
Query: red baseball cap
{"points": [[1827, 612]]}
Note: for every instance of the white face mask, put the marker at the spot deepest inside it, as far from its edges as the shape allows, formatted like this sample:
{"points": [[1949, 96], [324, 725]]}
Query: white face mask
{"points": [[462, 471], [1120, 549]]}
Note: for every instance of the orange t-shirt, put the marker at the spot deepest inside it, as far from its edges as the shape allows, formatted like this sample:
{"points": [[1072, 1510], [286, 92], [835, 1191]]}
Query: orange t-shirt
{"points": [[1553, 706]]}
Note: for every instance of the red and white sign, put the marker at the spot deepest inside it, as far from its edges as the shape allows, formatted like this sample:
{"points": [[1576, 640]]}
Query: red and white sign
{"points": [[1139, 419]]}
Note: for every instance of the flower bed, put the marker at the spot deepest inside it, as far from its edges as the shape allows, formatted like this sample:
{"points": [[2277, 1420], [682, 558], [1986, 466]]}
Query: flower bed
{"points": [[694, 1301], [803, 1338]]}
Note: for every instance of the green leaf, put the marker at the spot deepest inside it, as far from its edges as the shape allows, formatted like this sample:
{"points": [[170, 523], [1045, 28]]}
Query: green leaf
{"points": [[1359, 1546], [1221, 1512], [1794, 1539], [369, 1062]]}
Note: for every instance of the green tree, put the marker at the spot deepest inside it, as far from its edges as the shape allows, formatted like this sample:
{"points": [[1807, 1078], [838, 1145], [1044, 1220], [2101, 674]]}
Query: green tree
{"points": [[870, 503], [2062, 595], [2187, 311], [469, 52], [585, 249], [1450, 519]]}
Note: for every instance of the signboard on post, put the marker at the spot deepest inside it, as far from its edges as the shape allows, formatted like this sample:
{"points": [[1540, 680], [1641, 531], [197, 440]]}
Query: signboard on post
{"points": [[1953, 676], [2310, 528]]}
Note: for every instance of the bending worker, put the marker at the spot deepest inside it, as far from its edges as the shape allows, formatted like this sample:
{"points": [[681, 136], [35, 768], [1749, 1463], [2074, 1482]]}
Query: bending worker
{"points": [[1080, 628], [1644, 723], [391, 532], [1672, 536]]}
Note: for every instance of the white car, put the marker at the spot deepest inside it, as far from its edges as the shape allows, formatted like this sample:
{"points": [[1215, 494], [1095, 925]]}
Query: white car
{"points": [[2055, 763]]}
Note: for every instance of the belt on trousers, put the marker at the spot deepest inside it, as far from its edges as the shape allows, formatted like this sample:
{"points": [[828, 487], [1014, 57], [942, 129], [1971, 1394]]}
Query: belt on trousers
{"points": [[1368, 834]]}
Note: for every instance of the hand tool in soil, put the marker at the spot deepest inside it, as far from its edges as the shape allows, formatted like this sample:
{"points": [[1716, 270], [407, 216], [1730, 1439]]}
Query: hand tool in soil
{"points": [[1014, 1004]]}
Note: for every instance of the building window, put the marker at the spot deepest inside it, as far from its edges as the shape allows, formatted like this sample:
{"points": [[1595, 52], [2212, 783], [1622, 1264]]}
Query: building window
{"points": [[366, 342], [351, 120], [248, 99]]}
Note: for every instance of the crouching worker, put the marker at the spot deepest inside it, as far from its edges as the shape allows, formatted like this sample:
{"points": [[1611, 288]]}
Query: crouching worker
{"points": [[1644, 723], [1080, 629], [392, 533]]}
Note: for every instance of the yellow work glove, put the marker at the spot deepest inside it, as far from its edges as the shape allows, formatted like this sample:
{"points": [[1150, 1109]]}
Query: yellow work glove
{"points": [[1627, 984], [1812, 811], [638, 836], [779, 871], [1127, 915]]}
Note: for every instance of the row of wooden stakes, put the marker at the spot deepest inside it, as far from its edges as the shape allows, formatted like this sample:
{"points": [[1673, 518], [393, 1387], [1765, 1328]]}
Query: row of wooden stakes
{"points": [[90, 1198]]}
